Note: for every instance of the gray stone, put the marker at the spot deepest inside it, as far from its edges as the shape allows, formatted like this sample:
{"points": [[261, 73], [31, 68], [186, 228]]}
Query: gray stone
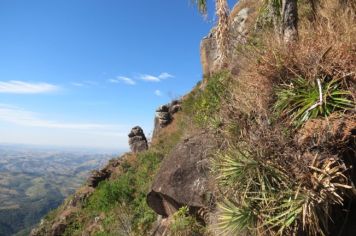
{"points": [[137, 140], [183, 179]]}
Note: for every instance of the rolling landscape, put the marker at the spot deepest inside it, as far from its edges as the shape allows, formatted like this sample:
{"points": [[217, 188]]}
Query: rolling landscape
{"points": [[33, 181]]}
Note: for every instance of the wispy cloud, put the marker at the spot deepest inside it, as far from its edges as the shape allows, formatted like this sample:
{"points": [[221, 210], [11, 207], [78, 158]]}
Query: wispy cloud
{"points": [[21, 87], [85, 83], [19, 116], [152, 78], [165, 75], [78, 84], [158, 93], [123, 79]]}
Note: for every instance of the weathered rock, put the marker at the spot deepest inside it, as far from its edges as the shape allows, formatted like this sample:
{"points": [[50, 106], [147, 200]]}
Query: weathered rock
{"points": [[58, 229], [239, 29], [183, 178], [209, 54], [164, 114], [161, 226], [137, 140], [96, 176]]}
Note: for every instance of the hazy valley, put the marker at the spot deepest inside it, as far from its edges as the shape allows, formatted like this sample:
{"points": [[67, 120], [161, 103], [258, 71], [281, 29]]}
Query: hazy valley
{"points": [[34, 181]]}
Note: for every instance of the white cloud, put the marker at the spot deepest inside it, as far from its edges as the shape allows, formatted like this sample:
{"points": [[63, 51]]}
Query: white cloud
{"points": [[151, 78], [20, 87], [77, 84], [126, 80], [165, 75], [85, 83], [114, 81], [158, 93], [18, 116], [123, 79]]}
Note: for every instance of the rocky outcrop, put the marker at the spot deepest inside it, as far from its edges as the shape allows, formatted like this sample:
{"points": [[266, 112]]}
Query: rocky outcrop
{"points": [[165, 115], [240, 20], [96, 176], [183, 179], [137, 140]]}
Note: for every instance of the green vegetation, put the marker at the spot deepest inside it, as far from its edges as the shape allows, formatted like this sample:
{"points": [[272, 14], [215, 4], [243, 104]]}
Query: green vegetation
{"points": [[303, 100], [263, 198], [184, 224], [119, 204], [204, 104], [128, 190]]}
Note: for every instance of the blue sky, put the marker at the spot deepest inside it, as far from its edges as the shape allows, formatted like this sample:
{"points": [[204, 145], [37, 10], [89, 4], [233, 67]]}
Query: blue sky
{"points": [[83, 72]]}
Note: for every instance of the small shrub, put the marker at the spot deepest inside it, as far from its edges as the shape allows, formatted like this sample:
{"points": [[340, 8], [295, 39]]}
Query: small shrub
{"points": [[184, 224], [109, 193]]}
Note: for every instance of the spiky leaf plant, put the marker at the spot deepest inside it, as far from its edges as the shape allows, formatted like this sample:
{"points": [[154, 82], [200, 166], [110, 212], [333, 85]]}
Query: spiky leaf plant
{"points": [[264, 200], [234, 219], [302, 99], [238, 168]]}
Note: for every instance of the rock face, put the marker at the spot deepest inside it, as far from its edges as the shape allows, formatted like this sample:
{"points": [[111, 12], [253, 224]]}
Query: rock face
{"points": [[137, 140], [240, 18], [183, 179]]}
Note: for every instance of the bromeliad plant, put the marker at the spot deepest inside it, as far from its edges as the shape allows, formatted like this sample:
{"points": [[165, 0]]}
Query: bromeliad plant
{"points": [[264, 200], [302, 99]]}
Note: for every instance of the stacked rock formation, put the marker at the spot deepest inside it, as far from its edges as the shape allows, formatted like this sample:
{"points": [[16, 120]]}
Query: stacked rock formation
{"points": [[164, 114], [137, 140]]}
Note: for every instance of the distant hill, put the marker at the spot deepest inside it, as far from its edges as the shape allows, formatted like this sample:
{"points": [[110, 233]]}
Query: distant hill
{"points": [[32, 182]]}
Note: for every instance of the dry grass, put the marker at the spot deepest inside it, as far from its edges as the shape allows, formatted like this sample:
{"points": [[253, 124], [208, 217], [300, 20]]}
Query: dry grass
{"points": [[326, 48], [312, 156]]}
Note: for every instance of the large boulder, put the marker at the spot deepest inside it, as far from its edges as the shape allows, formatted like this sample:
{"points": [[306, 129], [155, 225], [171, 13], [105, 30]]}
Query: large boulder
{"points": [[183, 179], [137, 140]]}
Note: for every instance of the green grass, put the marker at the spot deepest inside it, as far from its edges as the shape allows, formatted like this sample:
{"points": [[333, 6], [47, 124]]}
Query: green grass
{"points": [[203, 105], [129, 189]]}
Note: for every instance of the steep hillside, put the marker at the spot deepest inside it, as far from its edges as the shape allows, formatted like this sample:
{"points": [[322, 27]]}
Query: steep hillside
{"points": [[264, 145]]}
